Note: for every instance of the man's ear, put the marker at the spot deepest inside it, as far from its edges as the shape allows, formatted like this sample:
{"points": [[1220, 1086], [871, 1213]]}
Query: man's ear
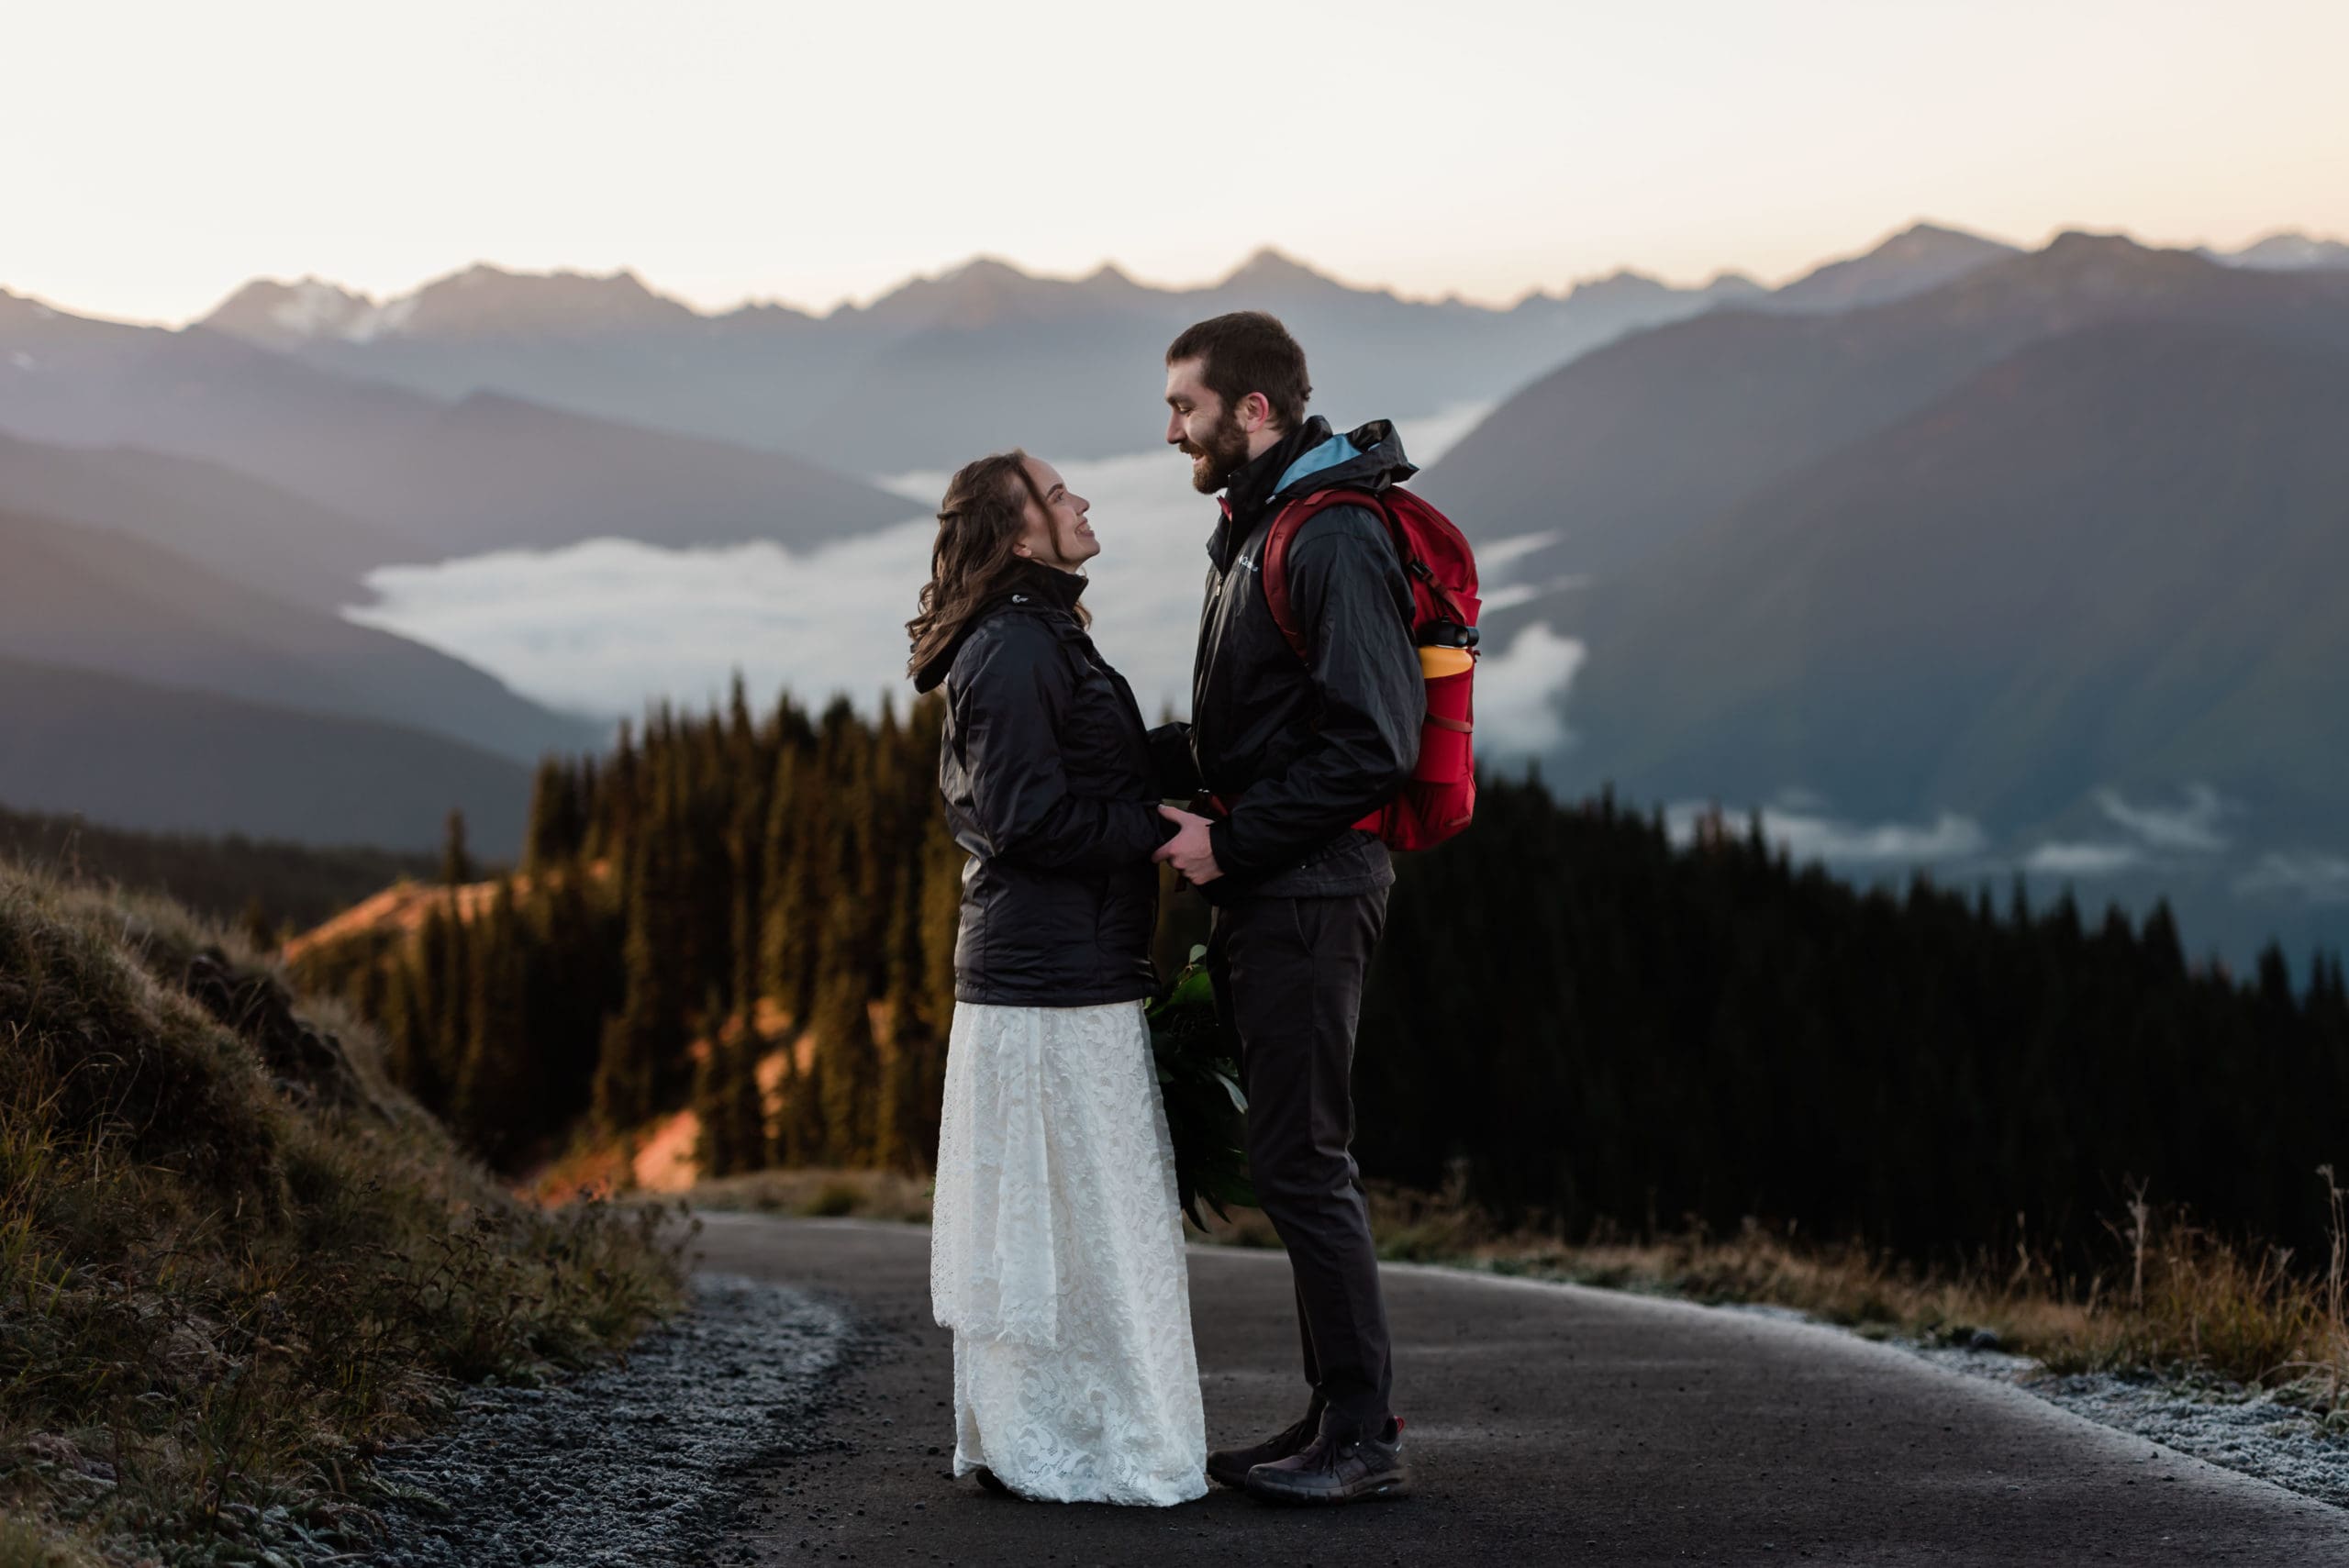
{"points": [[1255, 412]]}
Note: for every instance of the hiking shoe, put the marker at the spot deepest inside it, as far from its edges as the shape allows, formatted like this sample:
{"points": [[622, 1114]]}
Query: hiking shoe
{"points": [[990, 1481], [1229, 1466], [1334, 1470]]}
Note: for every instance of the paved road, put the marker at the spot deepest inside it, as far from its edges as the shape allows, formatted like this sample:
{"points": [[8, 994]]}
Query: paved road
{"points": [[1547, 1425]]}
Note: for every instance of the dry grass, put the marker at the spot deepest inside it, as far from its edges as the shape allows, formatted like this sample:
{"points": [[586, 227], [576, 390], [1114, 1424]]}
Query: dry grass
{"points": [[2172, 1299], [221, 1292], [826, 1193]]}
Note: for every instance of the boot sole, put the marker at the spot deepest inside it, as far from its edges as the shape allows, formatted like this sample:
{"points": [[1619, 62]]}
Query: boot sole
{"points": [[1392, 1487]]}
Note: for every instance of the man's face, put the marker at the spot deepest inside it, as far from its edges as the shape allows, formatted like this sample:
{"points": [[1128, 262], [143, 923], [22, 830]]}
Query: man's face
{"points": [[1213, 436]]}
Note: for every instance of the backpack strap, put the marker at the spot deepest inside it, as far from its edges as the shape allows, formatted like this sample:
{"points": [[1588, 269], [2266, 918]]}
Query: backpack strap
{"points": [[1286, 524]]}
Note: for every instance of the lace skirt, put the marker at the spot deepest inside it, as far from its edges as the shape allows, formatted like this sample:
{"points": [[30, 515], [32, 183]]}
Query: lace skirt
{"points": [[1056, 1257]]}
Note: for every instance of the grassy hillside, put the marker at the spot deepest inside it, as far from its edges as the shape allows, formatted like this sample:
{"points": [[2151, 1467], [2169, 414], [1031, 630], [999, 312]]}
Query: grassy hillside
{"points": [[235, 1262]]}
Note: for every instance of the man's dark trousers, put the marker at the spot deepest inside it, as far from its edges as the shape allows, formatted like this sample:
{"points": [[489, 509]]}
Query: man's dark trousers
{"points": [[1288, 977]]}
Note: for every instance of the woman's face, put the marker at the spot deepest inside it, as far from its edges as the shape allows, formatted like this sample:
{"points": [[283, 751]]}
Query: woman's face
{"points": [[1057, 533]]}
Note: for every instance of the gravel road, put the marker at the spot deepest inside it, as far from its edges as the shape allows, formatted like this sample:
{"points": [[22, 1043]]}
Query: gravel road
{"points": [[1548, 1424], [639, 1465]]}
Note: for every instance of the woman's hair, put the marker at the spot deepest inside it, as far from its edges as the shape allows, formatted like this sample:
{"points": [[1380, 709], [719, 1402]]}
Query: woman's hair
{"points": [[979, 521]]}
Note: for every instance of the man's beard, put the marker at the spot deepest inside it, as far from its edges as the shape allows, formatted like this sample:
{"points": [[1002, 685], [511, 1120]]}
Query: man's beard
{"points": [[1225, 454]]}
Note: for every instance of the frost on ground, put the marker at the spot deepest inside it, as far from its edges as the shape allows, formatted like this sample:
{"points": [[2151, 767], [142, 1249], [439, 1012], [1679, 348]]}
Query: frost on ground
{"points": [[2243, 1429], [632, 1466]]}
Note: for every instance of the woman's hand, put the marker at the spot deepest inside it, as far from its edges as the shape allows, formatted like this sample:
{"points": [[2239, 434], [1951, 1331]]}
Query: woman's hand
{"points": [[1190, 850]]}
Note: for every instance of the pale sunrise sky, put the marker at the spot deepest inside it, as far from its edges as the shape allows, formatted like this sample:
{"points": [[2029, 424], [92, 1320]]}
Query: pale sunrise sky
{"points": [[154, 156]]}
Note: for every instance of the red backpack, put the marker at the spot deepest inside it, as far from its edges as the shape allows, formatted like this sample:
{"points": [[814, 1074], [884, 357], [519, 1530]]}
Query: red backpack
{"points": [[1441, 793]]}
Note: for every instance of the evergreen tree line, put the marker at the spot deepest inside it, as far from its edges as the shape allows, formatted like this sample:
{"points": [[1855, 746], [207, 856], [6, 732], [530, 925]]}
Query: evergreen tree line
{"points": [[1614, 1032], [719, 891], [1597, 1026]]}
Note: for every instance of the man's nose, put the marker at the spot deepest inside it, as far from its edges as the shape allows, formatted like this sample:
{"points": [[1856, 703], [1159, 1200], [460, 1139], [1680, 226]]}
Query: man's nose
{"points": [[1174, 429]]}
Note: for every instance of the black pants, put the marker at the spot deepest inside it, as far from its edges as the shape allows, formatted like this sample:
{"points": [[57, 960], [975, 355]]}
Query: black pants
{"points": [[1288, 978]]}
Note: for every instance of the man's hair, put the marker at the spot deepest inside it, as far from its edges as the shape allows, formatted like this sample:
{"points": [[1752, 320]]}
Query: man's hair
{"points": [[1247, 351]]}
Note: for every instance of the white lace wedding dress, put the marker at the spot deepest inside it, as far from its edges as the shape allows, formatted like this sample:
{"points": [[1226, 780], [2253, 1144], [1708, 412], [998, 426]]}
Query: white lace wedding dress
{"points": [[1056, 1257]]}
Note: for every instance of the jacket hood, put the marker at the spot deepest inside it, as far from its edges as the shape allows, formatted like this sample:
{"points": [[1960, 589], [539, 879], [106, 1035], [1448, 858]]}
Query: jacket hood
{"points": [[1310, 458], [1369, 456], [1030, 583]]}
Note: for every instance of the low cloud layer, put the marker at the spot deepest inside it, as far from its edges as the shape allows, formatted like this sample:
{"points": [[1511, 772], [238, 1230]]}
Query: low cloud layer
{"points": [[603, 627], [2086, 858], [2192, 826], [1814, 836], [2307, 877]]}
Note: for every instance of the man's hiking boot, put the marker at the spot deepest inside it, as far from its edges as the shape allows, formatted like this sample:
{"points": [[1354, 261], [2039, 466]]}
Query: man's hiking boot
{"points": [[1335, 1469], [1229, 1466]]}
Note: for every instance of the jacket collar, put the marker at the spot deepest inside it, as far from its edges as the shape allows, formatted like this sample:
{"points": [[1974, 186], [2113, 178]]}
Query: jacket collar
{"points": [[1255, 484], [1309, 457], [1028, 585], [1032, 582]]}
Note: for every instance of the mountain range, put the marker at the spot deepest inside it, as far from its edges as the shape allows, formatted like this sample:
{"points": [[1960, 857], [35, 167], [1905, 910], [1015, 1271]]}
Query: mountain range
{"points": [[987, 356], [449, 475], [1625, 453], [2049, 556], [1841, 538]]}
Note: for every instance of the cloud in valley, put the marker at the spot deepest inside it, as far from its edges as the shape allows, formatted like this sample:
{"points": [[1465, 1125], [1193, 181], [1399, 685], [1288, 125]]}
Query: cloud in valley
{"points": [[2193, 826], [2310, 877], [607, 626], [2091, 859], [1814, 836]]}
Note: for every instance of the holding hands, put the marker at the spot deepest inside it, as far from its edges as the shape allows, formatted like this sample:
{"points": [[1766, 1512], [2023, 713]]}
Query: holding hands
{"points": [[1190, 850]]}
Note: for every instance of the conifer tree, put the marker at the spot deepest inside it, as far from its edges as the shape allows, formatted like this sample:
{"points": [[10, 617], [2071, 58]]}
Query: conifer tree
{"points": [[492, 1106], [456, 861]]}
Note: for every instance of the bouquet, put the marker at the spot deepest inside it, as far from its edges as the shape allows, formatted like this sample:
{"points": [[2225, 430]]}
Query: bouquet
{"points": [[1206, 1112]]}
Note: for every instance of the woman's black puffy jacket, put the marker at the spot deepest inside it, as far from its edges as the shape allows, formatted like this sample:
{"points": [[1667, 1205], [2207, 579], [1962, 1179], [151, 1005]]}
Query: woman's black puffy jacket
{"points": [[1046, 770]]}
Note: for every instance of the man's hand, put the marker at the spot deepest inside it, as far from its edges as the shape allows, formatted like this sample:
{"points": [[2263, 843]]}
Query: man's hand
{"points": [[1192, 852]]}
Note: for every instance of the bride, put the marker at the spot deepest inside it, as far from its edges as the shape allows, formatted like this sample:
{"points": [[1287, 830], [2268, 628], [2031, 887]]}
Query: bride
{"points": [[1056, 1244]]}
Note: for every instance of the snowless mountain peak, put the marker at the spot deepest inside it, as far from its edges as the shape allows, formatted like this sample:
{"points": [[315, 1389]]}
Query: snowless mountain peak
{"points": [[1272, 269], [2289, 251]]}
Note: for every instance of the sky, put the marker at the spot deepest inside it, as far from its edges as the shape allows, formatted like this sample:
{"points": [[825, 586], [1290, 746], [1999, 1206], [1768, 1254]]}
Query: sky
{"points": [[154, 156]]}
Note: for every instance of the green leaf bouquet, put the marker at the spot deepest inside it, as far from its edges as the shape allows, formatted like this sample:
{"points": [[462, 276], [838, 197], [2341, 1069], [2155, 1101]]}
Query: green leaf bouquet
{"points": [[1207, 1111]]}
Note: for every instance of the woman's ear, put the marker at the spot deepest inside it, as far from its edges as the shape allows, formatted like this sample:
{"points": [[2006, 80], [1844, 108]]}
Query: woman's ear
{"points": [[1021, 549]]}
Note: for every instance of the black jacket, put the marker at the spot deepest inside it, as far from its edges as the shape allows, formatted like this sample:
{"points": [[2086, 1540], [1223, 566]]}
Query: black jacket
{"points": [[1300, 751], [1047, 775]]}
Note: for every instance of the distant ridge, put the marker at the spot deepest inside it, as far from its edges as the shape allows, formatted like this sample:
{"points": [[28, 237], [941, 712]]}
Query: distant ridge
{"points": [[980, 356], [143, 756], [455, 469], [267, 538], [90, 597], [1920, 257], [2287, 252], [1630, 450]]}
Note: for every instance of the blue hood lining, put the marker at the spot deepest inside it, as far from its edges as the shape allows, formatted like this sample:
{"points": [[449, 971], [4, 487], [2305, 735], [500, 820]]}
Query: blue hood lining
{"points": [[1329, 454]]}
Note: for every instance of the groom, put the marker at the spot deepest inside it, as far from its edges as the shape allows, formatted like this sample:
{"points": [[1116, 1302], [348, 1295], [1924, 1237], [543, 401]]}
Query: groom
{"points": [[1291, 754]]}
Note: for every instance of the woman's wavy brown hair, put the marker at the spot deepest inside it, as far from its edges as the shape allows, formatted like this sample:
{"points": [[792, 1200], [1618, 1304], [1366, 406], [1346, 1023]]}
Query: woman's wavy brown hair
{"points": [[980, 520]]}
